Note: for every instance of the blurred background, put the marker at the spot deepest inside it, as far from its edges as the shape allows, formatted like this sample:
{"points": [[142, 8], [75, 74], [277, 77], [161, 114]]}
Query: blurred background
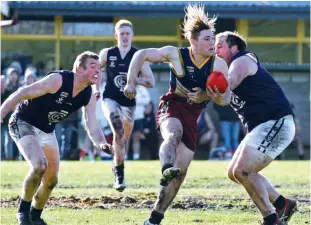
{"points": [[41, 36]]}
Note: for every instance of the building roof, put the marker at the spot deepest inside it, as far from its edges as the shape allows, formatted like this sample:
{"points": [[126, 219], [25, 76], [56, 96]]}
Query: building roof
{"points": [[229, 9]]}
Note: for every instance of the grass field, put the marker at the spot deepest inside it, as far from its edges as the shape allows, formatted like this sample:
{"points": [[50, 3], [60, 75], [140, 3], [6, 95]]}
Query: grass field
{"points": [[84, 194]]}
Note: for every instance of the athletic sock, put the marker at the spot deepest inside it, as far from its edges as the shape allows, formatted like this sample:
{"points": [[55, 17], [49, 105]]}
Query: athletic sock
{"points": [[24, 206], [35, 213], [156, 217], [279, 203], [166, 166]]}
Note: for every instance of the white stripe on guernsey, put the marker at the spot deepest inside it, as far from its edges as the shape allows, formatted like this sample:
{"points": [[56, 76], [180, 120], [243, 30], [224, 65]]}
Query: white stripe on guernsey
{"points": [[251, 55]]}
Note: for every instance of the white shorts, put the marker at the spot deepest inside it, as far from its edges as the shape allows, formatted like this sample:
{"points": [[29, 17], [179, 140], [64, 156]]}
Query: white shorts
{"points": [[19, 128], [111, 106], [272, 137]]}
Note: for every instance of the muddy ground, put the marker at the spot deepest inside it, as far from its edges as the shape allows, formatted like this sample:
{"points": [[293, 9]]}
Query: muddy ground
{"points": [[147, 200]]}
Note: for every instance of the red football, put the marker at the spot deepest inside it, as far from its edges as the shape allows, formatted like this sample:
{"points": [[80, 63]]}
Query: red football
{"points": [[219, 80]]}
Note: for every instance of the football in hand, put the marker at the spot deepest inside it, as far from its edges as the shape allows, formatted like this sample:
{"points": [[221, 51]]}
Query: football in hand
{"points": [[219, 80]]}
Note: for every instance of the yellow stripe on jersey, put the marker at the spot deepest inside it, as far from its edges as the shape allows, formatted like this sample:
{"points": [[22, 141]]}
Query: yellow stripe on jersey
{"points": [[181, 63], [194, 62]]}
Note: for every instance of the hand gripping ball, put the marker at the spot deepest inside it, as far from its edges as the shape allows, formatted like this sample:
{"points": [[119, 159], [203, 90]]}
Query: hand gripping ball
{"points": [[219, 80]]}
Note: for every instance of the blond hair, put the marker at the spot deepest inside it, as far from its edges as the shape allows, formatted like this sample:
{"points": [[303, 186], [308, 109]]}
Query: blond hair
{"points": [[122, 23], [233, 38], [195, 21], [82, 58]]}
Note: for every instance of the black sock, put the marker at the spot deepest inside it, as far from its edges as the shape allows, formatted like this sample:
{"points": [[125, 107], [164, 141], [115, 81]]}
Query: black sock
{"points": [[279, 202], [271, 219], [24, 206], [119, 167], [35, 213], [156, 217], [166, 166]]}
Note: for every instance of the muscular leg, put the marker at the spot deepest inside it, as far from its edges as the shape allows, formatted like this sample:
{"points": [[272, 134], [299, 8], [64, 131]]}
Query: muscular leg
{"points": [[246, 169], [171, 131], [34, 155], [50, 177], [168, 193], [273, 194]]}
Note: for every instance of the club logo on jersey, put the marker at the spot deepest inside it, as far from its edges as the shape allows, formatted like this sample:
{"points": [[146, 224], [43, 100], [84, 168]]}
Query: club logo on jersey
{"points": [[55, 117], [120, 81], [61, 97], [190, 69], [112, 64], [236, 102], [112, 58]]}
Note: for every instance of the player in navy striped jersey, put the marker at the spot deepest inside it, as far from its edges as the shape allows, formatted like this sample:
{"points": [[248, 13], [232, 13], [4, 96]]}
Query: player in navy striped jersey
{"points": [[118, 109], [266, 113], [32, 126]]}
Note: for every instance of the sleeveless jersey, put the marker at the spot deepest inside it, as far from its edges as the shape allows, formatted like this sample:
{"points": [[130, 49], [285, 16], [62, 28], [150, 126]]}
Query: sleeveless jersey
{"points": [[259, 98], [193, 75], [116, 70], [45, 111]]}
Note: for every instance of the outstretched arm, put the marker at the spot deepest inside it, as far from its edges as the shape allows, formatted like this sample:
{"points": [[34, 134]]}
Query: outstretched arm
{"points": [[47, 85], [146, 77], [165, 54], [92, 127], [102, 61]]}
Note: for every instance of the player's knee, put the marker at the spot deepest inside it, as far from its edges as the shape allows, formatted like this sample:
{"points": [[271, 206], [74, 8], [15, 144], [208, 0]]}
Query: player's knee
{"points": [[230, 174], [240, 173], [175, 136], [39, 168]]}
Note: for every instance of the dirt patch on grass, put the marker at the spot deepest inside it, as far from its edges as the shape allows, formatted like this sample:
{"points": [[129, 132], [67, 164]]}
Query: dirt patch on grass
{"points": [[147, 200]]}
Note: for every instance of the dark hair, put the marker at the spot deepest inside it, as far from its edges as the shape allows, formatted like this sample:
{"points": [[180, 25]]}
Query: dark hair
{"points": [[233, 38]]}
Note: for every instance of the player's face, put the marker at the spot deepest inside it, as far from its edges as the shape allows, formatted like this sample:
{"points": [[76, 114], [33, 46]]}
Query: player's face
{"points": [[124, 36], [92, 70], [205, 43], [223, 50]]}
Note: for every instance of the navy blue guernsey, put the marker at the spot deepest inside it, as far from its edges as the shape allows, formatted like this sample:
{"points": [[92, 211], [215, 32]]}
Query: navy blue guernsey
{"points": [[116, 71], [193, 75], [45, 111], [259, 98]]}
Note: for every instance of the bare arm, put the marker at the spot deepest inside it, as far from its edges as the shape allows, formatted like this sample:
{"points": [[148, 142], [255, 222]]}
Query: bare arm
{"points": [[164, 54], [92, 127], [102, 61], [47, 85], [146, 79], [239, 69], [221, 66]]}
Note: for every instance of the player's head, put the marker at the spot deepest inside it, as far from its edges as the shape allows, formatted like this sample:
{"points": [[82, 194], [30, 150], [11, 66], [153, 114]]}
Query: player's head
{"points": [[229, 43], [199, 30], [87, 66], [124, 33]]}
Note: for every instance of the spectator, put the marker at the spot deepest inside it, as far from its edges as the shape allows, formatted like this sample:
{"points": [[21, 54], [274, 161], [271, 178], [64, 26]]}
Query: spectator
{"points": [[142, 99], [151, 141], [30, 76], [13, 76], [206, 131], [230, 127]]}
